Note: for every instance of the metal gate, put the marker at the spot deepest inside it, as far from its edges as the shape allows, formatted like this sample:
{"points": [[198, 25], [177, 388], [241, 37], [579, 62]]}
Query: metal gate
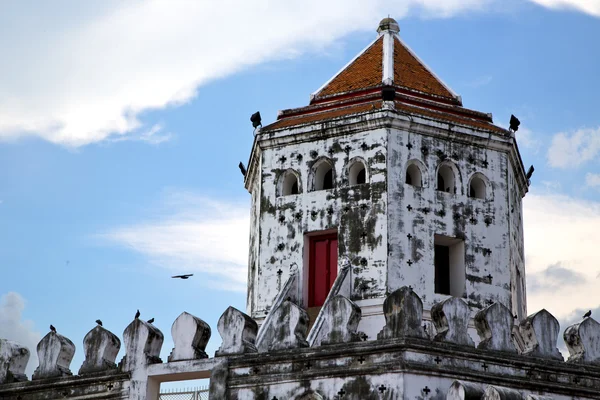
{"points": [[185, 394]]}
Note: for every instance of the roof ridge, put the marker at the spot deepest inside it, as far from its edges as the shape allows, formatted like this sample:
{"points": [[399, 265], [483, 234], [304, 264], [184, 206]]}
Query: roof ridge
{"points": [[427, 68], [363, 51]]}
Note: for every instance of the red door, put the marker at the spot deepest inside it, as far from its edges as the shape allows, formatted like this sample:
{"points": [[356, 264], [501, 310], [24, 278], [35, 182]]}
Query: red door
{"points": [[322, 267]]}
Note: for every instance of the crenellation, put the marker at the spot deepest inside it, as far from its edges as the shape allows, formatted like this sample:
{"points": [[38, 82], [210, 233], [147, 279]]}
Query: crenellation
{"points": [[238, 332], [451, 319], [494, 326], [101, 348], [143, 342], [55, 353], [583, 341], [13, 361], [190, 335], [539, 332], [402, 362]]}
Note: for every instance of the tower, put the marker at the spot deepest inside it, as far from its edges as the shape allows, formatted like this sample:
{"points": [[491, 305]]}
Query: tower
{"points": [[387, 172]]}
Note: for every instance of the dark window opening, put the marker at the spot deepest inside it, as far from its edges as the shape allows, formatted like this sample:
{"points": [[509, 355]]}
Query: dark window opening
{"points": [[441, 185], [445, 179], [413, 176], [290, 184], [477, 188], [328, 180], [357, 173], [361, 177], [442, 269], [323, 176], [449, 266]]}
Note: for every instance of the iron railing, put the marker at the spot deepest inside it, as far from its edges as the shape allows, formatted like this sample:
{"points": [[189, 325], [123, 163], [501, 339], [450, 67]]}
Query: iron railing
{"points": [[185, 394]]}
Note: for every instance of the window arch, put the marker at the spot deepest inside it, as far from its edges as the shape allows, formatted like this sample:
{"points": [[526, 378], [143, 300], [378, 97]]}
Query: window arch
{"points": [[357, 173], [289, 183], [413, 176], [478, 186], [446, 179], [323, 175]]}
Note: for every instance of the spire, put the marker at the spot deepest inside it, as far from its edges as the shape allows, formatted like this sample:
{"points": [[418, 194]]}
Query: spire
{"points": [[387, 61], [388, 25]]}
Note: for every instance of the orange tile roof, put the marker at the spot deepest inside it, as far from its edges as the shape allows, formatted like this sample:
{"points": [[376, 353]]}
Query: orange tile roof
{"points": [[366, 71], [324, 115], [453, 118], [358, 89], [411, 73], [452, 115]]}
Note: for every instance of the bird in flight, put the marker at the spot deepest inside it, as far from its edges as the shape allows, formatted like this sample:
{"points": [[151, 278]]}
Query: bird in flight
{"points": [[99, 322], [137, 314], [52, 328], [185, 276], [151, 320], [587, 314]]}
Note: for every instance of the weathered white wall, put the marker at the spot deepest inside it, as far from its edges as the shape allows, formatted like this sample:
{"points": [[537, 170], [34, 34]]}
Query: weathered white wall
{"points": [[423, 212], [358, 213]]}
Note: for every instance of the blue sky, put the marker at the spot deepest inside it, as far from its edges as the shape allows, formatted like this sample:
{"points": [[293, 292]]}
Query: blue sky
{"points": [[122, 124]]}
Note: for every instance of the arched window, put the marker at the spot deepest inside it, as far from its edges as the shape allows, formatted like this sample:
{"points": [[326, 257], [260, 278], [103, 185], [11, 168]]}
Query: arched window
{"points": [[323, 176], [357, 173], [413, 176], [445, 179], [289, 184], [477, 187]]}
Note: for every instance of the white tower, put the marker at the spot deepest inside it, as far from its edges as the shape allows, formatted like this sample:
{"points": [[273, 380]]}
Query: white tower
{"points": [[385, 169]]}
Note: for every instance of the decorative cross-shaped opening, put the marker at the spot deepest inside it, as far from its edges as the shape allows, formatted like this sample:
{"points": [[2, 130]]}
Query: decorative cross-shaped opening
{"points": [[409, 236], [426, 390], [307, 365], [437, 359], [409, 146], [409, 262], [490, 277], [473, 220], [485, 367], [364, 337], [409, 207], [382, 388], [282, 159], [109, 386], [529, 373], [361, 359], [341, 392]]}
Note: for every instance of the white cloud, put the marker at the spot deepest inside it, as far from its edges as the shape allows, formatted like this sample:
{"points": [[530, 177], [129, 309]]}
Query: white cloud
{"points": [[561, 243], [153, 136], [13, 327], [591, 7], [194, 234], [592, 180], [85, 71], [572, 150]]}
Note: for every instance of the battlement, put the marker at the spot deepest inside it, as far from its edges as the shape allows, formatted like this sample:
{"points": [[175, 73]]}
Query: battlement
{"points": [[283, 360]]}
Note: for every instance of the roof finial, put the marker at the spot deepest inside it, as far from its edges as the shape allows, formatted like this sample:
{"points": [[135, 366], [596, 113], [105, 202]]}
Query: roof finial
{"points": [[388, 24]]}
